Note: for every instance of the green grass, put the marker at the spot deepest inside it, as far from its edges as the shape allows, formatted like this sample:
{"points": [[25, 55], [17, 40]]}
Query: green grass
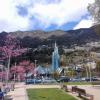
{"points": [[77, 83], [48, 94]]}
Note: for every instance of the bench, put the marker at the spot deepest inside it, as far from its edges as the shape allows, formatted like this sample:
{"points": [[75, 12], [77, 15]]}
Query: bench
{"points": [[74, 88], [82, 93], [64, 87]]}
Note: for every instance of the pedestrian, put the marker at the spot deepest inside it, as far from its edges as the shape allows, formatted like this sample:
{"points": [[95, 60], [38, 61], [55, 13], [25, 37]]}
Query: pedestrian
{"points": [[1, 94]]}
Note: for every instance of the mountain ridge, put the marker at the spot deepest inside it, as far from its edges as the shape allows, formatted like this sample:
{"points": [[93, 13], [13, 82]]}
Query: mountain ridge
{"points": [[33, 39]]}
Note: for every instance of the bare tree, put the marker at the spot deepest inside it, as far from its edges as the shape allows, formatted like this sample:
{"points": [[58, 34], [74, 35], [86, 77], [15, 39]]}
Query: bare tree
{"points": [[94, 10]]}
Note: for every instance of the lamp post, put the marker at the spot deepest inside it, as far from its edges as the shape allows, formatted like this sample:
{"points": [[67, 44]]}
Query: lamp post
{"points": [[35, 72], [15, 72], [89, 67], [90, 70], [8, 68], [35, 63], [87, 74], [1, 67], [46, 69]]}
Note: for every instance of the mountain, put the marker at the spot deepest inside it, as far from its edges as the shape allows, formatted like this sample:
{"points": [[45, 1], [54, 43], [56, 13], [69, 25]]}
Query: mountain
{"points": [[33, 39]]}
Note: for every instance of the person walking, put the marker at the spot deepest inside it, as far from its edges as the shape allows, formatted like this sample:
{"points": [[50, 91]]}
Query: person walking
{"points": [[1, 94]]}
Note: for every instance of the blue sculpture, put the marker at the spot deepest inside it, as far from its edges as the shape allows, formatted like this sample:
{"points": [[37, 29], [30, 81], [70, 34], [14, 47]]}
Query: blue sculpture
{"points": [[55, 59]]}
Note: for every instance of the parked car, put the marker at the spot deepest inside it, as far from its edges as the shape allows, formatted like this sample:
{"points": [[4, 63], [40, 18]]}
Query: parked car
{"points": [[97, 78], [83, 78], [92, 79], [48, 80], [63, 79], [75, 79], [32, 81]]}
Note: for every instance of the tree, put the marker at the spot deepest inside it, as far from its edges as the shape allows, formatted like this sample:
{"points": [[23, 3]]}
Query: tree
{"points": [[63, 60], [11, 48], [94, 10], [17, 72], [21, 70]]}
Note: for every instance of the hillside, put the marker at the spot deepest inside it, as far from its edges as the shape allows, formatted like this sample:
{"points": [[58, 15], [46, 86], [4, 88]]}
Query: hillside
{"points": [[33, 39]]}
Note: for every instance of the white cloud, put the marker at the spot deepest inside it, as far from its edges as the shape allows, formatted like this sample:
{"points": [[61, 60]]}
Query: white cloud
{"points": [[84, 24], [9, 18], [58, 12]]}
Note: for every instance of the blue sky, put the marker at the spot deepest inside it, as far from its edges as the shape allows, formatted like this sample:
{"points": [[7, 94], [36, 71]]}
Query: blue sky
{"points": [[47, 15]]}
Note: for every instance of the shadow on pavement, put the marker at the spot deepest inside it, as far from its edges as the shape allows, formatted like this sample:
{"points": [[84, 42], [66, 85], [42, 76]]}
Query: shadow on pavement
{"points": [[96, 87], [8, 97]]}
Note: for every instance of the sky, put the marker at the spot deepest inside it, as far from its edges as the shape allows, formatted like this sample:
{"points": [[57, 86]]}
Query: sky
{"points": [[47, 15]]}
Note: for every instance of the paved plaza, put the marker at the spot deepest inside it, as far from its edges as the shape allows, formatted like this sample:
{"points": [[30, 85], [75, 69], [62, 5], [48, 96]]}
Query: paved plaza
{"points": [[20, 91]]}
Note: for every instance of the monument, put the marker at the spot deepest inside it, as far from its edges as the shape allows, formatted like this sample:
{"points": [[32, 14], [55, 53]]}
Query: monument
{"points": [[55, 58]]}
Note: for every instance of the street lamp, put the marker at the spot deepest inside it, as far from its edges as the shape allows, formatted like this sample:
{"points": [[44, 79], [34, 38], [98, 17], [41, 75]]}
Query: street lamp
{"points": [[35, 72], [15, 73], [86, 67], [89, 67], [8, 68], [90, 70], [46, 70], [35, 63], [87, 74], [1, 67]]}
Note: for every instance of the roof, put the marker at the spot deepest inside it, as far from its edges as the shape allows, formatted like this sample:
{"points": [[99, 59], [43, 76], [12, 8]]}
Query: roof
{"points": [[42, 70]]}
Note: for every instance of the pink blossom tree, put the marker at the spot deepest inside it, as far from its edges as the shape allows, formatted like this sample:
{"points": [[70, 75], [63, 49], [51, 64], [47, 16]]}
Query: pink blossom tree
{"points": [[22, 69], [11, 48]]}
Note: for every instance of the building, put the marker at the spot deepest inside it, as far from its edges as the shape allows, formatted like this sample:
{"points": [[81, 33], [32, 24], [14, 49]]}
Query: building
{"points": [[55, 59], [95, 55]]}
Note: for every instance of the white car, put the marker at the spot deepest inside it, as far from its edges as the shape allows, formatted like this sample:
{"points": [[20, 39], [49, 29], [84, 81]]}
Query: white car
{"points": [[96, 77], [48, 80]]}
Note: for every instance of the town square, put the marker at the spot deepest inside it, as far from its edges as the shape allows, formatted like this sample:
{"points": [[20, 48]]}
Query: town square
{"points": [[50, 50]]}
